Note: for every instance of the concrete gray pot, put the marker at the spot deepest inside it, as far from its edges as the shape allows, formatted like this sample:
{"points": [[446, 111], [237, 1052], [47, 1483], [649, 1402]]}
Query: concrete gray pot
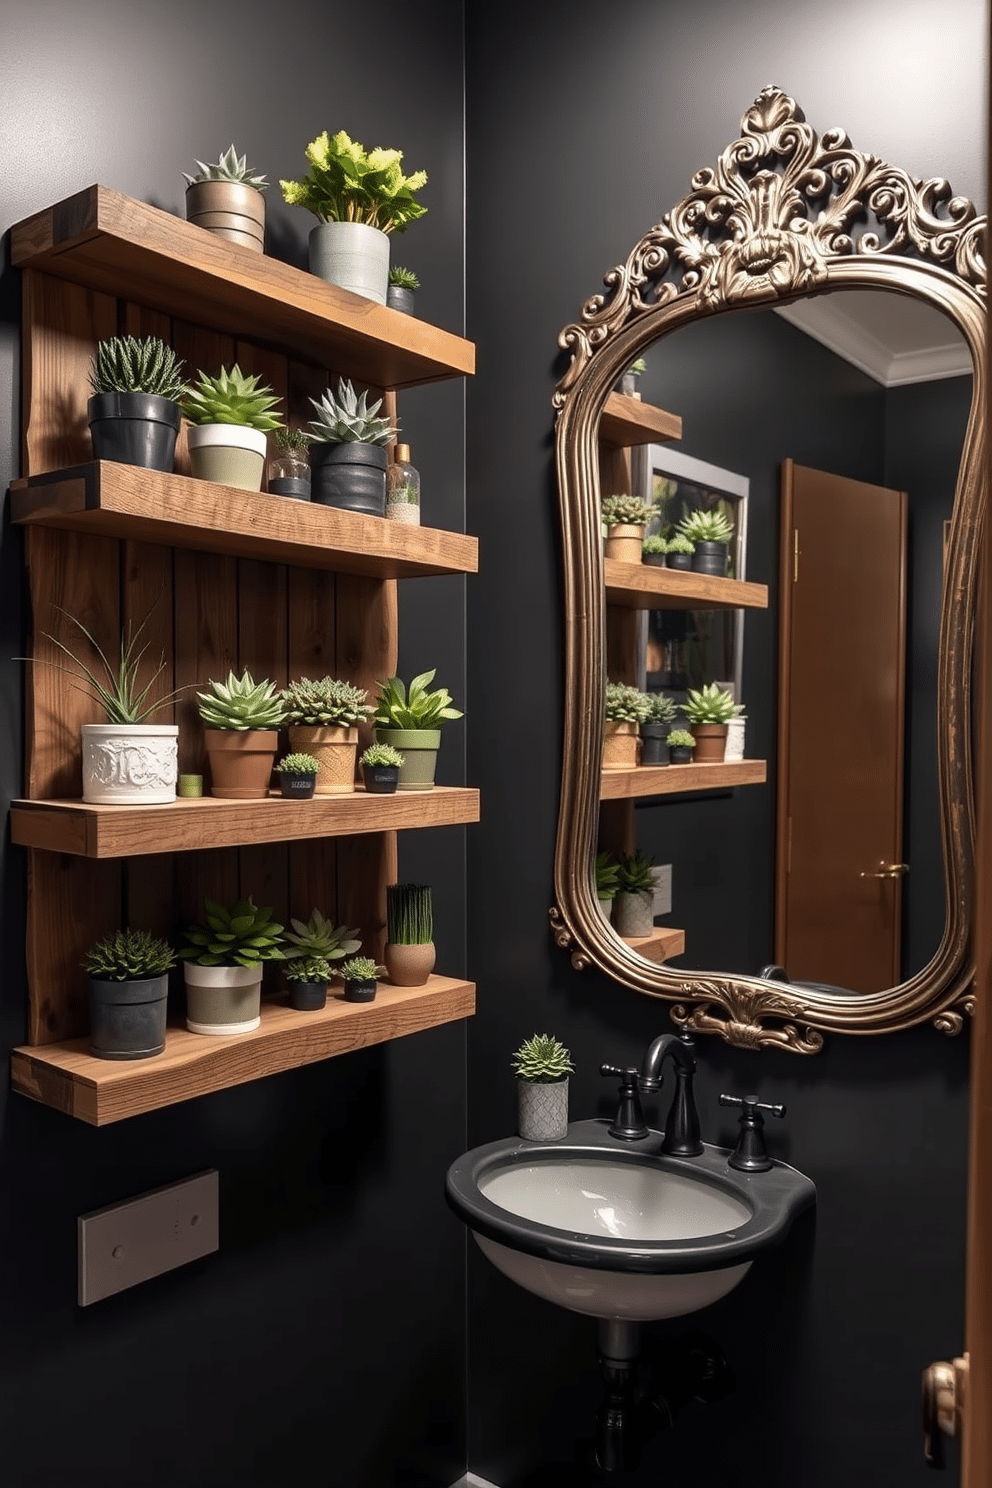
{"points": [[542, 1110], [350, 476], [352, 255], [633, 914]]}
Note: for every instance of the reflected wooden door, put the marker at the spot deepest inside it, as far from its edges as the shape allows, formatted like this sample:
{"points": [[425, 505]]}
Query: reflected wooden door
{"points": [[840, 750]]}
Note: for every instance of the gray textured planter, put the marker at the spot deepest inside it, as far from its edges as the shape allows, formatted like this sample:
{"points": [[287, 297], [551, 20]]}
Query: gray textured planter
{"points": [[633, 914], [679, 560], [400, 299], [654, 743], [134, 429], [542, 1110], [349, 476], [353, 256], [127, 1019], [292, 486]]}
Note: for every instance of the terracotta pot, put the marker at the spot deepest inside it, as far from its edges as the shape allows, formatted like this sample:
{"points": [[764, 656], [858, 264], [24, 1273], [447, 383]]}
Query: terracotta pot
{"points": [[409, 965], [711, 743], [624, 541], [241, 762], [619, 746], [335, 748]]}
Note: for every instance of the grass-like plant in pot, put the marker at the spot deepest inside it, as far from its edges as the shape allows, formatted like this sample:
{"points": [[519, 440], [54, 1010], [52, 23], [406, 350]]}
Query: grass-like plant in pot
{"points": [[656, 727], [225, 198], [681, 746], [359, 197], [298, 775], [231, 414], [348, 458], [710, 533], [625, 518], [134, 411], [401, 289], [626, 708], [128, 975], [409, 952], [323, 715], [680, 552], [241, 718], [411, 719], [633, 907], [359, 975], [542, 1066], [223, 961], [709, 709], [288, 470]]}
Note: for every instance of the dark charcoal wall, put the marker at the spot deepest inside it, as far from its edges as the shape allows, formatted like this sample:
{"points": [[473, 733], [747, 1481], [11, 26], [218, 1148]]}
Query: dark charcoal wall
{"points": [[325, 1343], [578, 138]]}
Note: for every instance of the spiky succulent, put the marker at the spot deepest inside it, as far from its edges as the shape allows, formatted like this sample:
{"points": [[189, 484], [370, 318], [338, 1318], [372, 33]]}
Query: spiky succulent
{"points": [[318, 936], [325, 702], [128, 956], [347, 417], [137, 364], [636, 873], [377, 755], [231, 398], [360, 969], [401, 278], [230, 167], [415, 707], [243, 935], [627, 511], [309, 969], [706, 526], [711, 704], [409, 914], [626, 704], [241, 703], [661, 708], [294, 441], [541, 1060], [347, 183], [298, 764]]}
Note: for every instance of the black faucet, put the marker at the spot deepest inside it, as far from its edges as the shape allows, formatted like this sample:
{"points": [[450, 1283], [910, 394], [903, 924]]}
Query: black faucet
{"points": [[682, 1127]]}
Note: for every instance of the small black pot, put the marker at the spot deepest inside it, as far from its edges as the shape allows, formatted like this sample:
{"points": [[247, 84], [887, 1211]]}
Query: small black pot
{"points": [[710, 558], [400, 299], [290, 485], [307, 997], [680, 754], [381, 780], [654, 743], [679, 560], [298, 787], [656, 560], [127, 1019], [360, 991], [134, 429], [350, 476]]}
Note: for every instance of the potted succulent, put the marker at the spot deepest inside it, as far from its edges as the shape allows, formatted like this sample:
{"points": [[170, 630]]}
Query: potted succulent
{"points": [[709, 710], [222, 965], [308, 978], [542, 1066], [128, 975], [127, 761], [134, 412], [298, 776], [323, 715], [348, 451], [242, 719], [231, 415], [633, 907], [680, 747], [410, 720], [626, 709], [679, 552], [655, 729], [710, 533], [226, 199], [654, 549], [359, 198], [401, 288], [381, 768], [409, 952], [606, 871], [359, 976], [320, 937], [628, 382], [624, 518], [288, 471]]}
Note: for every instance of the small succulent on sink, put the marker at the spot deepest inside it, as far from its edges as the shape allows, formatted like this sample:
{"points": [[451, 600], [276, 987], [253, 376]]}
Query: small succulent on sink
{"points": [[542, 1065]]}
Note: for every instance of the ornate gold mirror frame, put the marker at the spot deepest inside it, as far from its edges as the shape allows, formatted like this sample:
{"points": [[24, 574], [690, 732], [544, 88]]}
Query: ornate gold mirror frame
{"points": [[784, 214]]}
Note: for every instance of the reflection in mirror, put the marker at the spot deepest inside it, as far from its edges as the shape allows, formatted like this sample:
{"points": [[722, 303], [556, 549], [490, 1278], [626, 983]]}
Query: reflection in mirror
{"points": [[769, 397]]}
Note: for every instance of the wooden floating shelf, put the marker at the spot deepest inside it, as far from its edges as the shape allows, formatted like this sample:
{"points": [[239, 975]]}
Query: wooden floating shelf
{"points": [[645, 586], [669, 780], [104, 240], [187, 825], [101, 1091], [627, 421], [114, 500], [659, 945]]}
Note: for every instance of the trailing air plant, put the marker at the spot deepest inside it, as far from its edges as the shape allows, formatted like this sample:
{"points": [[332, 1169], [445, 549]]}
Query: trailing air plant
{"points": [[230, 167], [542, 1060], [347, 183], [128, 956], [121, 695], [231, 398], [347, 418], [132, 364], [241, 703]]}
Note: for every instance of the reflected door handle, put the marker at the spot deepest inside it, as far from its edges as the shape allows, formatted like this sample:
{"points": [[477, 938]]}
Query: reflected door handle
{"points": [[943, 1401], [887, 870]]}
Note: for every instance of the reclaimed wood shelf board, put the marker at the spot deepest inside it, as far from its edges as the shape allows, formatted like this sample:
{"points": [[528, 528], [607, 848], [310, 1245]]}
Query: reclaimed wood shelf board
{"points": [[100, 1091], [187, 825], [645, 586], [669, 780], [627, 421], [103, 240], [662, 943], [121, 501]]}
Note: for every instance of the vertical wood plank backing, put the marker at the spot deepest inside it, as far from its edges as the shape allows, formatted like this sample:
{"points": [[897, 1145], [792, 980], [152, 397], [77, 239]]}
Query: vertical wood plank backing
{"points": [[616, 827], [202, 351], [615, 475], [621, 644], [61, 325], [72, 902], [206, 643], [311, 652]]}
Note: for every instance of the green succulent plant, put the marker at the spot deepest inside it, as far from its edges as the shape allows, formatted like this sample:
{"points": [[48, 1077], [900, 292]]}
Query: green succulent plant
{"points": [[706, 526], [319, 936], [409, 914], [241, 703], [681, 739], [637, 366], [293, 441], [626, 704], [309, 969], [360, 969], [381, 754], [347, 183], [230, 167], [654, 544], [231, 398], [607, 874], [415, 707], [542, 1060], [401, 278], [325, 702], [680, 544], [347, 418], [627, 511], [661, 708], [711, 704], [132, 364], [120, 692], [128, 956], [636, 873], [298, 764], [243, 935]]}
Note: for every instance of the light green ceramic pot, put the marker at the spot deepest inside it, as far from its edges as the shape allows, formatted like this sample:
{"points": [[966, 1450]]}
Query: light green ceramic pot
{"points": [[419, 749]]}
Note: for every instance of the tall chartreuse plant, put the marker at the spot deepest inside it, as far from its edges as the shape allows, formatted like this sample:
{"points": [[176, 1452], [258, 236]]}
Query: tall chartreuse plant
{"points": [[410, 719]]}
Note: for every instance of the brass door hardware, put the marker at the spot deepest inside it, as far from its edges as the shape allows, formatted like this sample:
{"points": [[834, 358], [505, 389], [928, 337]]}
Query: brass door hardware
{"points": [[944, 1395], [887, 870]]}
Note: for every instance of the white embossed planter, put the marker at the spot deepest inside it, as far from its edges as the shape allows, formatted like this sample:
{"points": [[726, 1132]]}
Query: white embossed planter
{"points": [[542, 1110], [133, 764]]}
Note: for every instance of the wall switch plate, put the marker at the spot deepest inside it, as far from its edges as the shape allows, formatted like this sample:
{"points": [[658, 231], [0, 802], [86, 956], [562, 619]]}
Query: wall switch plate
{"points": [[663, 890], [131, 1242]]}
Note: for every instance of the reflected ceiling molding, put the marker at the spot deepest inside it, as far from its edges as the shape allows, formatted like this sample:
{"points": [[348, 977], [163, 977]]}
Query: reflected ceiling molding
{"points": [[919, 345]]}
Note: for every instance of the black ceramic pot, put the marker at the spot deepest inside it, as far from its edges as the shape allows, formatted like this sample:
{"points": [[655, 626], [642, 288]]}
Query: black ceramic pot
{"points": [[656, 560], [680, 754], [381, 780], [127, 1019], [710, 558], [359, 991], [679, 560], [307, 997], [134, 429], [350, 476], [290, 485], [400, 299], [297, 787], [654, 743]]}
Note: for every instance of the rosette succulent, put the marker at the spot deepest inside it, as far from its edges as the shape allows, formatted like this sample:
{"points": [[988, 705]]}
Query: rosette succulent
{"points": [[243, 935], [230, 167], [711, 704], [241, 703], [706, 526], [128, 956], [319, 936], [325, 702], [542, 1060], [231, 398], [347, 417]]}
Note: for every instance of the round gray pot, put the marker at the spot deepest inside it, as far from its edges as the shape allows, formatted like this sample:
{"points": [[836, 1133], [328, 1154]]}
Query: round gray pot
{"points": [[654, 743], [400, 299], [350, 476], [127, 1019], [229, 209], [352, 255], [134, 429], [633, 914], [710, 558], [542, 1110], [307, 997]]}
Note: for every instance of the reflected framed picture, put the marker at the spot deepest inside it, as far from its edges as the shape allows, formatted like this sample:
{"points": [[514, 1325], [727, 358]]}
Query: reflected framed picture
{"points": [[688, 648]]}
